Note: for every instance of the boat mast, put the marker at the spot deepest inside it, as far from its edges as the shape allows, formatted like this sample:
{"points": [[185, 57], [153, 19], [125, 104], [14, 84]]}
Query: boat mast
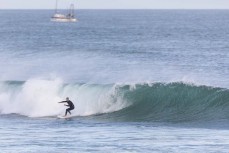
{"points": [[56, 6], [72, 10]]}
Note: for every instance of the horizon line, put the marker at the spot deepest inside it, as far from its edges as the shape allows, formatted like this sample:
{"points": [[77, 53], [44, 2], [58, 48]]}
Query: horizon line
{"points": [[118, 9]]}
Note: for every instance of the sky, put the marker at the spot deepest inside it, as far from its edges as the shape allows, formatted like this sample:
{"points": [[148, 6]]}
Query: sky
{"points": [[116, 4]]}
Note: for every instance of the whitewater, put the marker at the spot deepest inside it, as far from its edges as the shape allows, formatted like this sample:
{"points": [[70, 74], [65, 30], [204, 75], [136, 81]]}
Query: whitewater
{"points": [[140, 80]]}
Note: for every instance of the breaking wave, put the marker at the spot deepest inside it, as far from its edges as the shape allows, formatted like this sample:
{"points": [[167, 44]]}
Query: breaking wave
{"points": [[116, 102]]}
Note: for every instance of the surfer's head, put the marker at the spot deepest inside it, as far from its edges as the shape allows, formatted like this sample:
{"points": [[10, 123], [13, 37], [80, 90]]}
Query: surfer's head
{"points": [[67, 98]]}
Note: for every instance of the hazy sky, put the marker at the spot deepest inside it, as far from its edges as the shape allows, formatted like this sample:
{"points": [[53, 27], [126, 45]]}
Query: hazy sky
{"points": [[116, 4]]}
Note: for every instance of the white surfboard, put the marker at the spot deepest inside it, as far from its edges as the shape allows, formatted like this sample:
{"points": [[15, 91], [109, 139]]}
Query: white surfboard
{"points": [[63, 117]]}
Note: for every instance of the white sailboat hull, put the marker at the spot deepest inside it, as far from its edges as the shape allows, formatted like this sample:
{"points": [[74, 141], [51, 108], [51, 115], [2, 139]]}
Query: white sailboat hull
{"points": [[63, 20]]}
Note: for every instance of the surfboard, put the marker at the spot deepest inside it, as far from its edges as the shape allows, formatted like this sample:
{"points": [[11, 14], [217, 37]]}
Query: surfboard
{"points": [[63, 117]]}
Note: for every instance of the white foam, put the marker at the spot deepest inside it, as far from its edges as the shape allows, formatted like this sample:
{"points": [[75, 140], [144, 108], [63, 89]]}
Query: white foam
{"points": [[40, 97]]}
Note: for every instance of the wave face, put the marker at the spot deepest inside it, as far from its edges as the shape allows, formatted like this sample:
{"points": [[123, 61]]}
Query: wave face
{"points": [[175, 102]]}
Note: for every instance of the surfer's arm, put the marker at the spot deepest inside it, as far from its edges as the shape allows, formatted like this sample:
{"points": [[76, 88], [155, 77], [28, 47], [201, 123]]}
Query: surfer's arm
{"points": [[62, 102]]}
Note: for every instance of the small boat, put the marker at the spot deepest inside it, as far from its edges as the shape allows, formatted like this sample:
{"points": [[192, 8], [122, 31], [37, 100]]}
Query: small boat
{"points": [[58, 17]]}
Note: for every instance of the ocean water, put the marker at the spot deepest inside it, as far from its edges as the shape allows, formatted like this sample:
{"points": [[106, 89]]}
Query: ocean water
{"points": [[141, 81]]}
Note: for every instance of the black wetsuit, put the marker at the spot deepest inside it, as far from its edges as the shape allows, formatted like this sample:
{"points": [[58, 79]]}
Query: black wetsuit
{"points": [[70, 105]]}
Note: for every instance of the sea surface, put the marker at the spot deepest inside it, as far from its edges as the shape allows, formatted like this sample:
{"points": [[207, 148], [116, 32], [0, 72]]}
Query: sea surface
{"points": [[141, 81]]}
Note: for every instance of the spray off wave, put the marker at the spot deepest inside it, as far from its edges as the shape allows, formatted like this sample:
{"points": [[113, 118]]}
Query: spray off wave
{"points": [[116, 102], [39, 98]]}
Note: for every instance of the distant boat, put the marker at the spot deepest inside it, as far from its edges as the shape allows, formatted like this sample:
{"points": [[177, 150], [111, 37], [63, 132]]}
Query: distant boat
{"points": [[58, 17]]}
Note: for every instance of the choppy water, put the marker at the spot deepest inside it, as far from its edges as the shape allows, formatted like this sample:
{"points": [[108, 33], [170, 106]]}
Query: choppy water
{"points": [[141, 80], [82, 135]]}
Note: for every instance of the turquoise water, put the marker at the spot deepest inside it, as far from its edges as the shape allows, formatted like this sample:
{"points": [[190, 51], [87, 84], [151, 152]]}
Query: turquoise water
{"points": [[141, 81]]}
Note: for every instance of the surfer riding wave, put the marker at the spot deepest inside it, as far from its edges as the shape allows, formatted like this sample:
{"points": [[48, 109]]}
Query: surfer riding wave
{"points": [[69, 104]]}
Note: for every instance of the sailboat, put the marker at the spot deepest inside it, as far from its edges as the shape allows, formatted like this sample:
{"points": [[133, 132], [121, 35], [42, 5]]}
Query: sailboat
{"points": [[58, 17]]}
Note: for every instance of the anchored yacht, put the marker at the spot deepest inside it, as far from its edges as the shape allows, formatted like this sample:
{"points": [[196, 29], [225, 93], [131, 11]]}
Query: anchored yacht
{"points": [[58, 17]]}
